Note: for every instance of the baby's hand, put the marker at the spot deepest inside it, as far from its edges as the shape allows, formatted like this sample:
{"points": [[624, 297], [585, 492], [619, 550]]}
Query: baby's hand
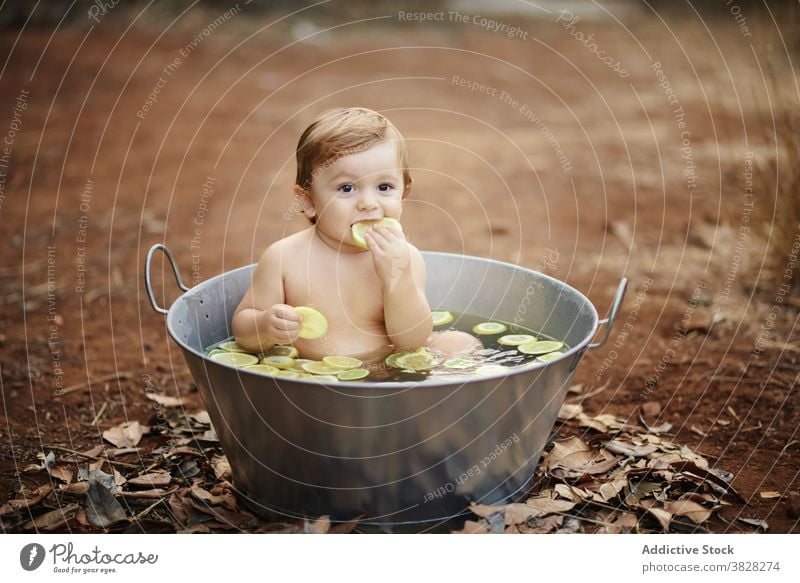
{"points": [[390, 253], [282, 323]]}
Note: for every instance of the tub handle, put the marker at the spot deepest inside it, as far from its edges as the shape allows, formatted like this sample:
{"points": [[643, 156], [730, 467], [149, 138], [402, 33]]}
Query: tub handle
{"points": [[148, 284], [608, 322]]}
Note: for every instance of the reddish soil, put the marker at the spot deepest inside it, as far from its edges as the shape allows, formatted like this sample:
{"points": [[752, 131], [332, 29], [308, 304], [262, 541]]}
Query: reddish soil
{"points": [[487, 182]]}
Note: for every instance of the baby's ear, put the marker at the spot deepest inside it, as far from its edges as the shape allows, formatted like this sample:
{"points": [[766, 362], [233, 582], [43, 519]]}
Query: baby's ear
{"points": [[303, 198]]}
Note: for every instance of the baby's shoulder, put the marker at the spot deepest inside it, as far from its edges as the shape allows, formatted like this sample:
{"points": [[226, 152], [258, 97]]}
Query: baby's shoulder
{"points": [[290, 246]]}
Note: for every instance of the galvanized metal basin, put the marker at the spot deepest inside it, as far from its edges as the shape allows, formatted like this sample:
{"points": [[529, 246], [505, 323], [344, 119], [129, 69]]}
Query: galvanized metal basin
{"points": [[389, 452]]}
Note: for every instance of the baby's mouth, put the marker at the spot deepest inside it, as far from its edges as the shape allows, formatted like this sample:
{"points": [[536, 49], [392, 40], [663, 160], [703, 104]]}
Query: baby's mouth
{"points": [[365, 219]]}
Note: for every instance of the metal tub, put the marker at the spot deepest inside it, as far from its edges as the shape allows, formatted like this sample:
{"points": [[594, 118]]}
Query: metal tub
{"points": [[389, 452]]}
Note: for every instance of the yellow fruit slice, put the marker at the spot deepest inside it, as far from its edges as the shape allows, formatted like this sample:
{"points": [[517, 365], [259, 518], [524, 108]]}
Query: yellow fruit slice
{"points": [[488, 369], [341, 362], [418, 360], [489, 328], [516, 339], [230, 346], [441, 317], [353, 374], [549, 356], [540, 347], [360, 228], [214, 351], [323, 378], [262, 369], [283, 350], [316, 367], [313, 325], [282, 362], [459, 363], [235, 358]]}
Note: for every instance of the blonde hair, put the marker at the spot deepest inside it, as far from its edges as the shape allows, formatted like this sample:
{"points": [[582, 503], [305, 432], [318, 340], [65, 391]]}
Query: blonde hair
{"points": [[336, 133]]}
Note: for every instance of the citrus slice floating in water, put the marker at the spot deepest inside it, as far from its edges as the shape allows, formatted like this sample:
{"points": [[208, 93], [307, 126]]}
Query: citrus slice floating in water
{"points": [[489, 328], [391, 360], [418, 360], [353, 374], [323, 378], [360, 228], [283, 362], [441, 317], [549, 356], [235, 358], [214, 351], [488, 369], [459, 363], [540, 347], [283, 350], [319, 368], [230, 346], [262, 369], [313, 325], [516, 339], [341, 362]]}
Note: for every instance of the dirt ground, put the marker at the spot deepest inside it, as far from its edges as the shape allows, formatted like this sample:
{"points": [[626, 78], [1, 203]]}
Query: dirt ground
{"points": [[96, 174]]}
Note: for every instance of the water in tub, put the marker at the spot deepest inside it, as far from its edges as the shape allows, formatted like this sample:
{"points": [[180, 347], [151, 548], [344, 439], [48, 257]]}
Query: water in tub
{"points": [[506, 345]]}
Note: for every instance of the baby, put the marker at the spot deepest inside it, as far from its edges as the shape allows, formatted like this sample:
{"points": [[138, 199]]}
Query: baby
{"points": [[352, 165]]}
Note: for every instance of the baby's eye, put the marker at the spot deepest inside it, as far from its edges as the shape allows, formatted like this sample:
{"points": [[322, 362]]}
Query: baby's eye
{"points": [[385, 187], [347, 188]]}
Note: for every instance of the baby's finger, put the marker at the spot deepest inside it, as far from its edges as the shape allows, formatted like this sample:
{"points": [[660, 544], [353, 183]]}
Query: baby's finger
{"points": [[283, 324], [288, 313], [375, 238]]}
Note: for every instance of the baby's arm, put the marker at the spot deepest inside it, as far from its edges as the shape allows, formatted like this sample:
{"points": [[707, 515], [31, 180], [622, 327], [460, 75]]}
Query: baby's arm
{"points": [[262, 319], [406, 310]]}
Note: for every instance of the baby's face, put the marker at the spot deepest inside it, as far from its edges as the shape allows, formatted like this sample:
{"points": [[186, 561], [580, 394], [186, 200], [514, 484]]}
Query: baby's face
{"points": [[361, 186]]}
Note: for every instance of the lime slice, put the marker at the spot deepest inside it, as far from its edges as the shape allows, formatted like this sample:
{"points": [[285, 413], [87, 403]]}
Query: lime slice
{"points": [[291, 374], [278, 361], [489, 328], [418, 360], [322, 378], [230, 346], [549, 356], [360, 228], [391, 360], [313, 325], [341, 362], [353, 374], [214, 351], [262, 369], [283, 350], [516, 339], [488, 369], [459, 363], [235, 358], [316, 367], [440, 318], [540, 347]]}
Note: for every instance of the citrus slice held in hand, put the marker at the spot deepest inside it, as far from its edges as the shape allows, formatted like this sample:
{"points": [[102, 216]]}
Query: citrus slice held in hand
{"points": [[516, 339], [341, 362], [540, 347], [441, 317], [235, 358], [313, 325], [360, 228], [489, 328]]}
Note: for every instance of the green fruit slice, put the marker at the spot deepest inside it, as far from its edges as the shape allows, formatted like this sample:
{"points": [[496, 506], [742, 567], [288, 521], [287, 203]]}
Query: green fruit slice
{"points": [[353, 374], [282, 362], [459, 363], [230, 346], [516, 339], [391, 360], [488, 369], [283, 350], [323, 378], [235, 358], [441, 317], [418, 360], [540, 347], [360, 228], [262, 369], [549, 356], [341, 362], [489, 328], [313, 325], [319, 368]]}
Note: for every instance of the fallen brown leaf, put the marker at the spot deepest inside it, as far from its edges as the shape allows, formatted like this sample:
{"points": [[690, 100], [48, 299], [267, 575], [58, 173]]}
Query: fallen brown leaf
{"points": [[125, 434], [692, 510]]}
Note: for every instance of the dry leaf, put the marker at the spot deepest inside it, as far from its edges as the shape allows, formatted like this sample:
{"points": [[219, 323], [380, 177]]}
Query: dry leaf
{"points": [[627, 449], [125, 434], [52, 519], [222, 469], [569, 411], [571, 493], [769, 495], [547, 505], [755, 522], [571, 453], [159, 479], [35, 497], [63, 473], [664, 517], [320, 526], [102, 509], [165, 400], [692, 510]]}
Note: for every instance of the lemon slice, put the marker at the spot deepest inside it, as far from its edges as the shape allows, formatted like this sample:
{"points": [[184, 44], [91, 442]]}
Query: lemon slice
{"points": [[353, 374], [235, 358], [322, 378], [214, 351], [341, 362], [317, 367], [313, 325], [459, 363], [291, 374], [441, 317], [489, 328], [418, 360], [262, 369], [549, 356], [230, 346], [360, 228], [488, 369], [540, 347], [278, 361], [516, 339], [283, 350]]}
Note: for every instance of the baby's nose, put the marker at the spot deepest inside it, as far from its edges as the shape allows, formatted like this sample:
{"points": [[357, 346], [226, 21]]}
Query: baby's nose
{"points": [[367, 203]]}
